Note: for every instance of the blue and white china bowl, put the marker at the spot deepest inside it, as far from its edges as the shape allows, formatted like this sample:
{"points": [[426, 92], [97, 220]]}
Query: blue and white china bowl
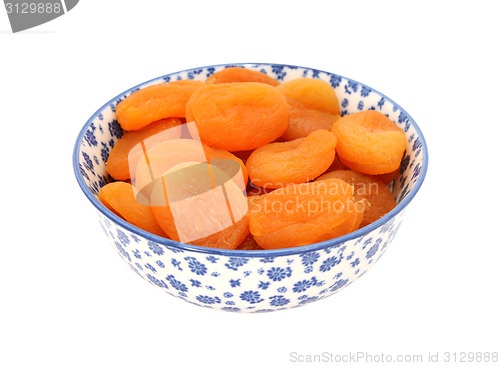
{"points": [[251, 281]]}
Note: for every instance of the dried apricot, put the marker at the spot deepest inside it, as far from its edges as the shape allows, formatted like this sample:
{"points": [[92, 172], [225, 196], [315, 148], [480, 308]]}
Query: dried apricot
{"points": [[119, 198], [380, 199], [369, 142], [238, 116], [300, 214], [249, 243], [225, 161], [297, 161], [155, 102], [118, 161], [314, 94], [240, 75], [160, 157], [202, 206], [305, 120]]}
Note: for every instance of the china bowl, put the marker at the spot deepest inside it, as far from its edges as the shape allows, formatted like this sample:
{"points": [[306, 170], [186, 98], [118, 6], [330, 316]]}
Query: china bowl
{"points": [[262, 280]]}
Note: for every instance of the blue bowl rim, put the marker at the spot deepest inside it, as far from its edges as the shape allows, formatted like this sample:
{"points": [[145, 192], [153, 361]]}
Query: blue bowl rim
{"points": [[246, 253]]}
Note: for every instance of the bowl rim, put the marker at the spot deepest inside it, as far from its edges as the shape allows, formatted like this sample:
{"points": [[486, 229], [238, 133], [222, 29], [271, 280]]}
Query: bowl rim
{"points": [[246, 253]]}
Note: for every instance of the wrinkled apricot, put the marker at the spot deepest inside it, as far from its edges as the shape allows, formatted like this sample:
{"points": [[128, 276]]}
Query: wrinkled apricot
{"points": [[225, 161], [240, 75], [297, 161], [305, 120], [202, 206], [238, 116], [380, 199], [249, 243], [300, 214], [118, 161], [388, 177], [160, 157], [119, 198], [155, 102], [369, 142], [312, 93]]}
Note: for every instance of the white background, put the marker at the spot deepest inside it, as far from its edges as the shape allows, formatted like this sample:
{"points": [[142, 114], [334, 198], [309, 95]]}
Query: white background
{"points": [[66, 297]]}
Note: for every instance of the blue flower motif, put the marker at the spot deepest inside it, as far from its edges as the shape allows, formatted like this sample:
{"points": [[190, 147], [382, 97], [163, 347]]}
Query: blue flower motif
{"points": [[195, 283], [90, 137], [338, 285], [365, 91], [278, 300], [309, 258], [176, 263], [178, 285], [345, 102], [381, 103], [360, 105], [137, 253], [267, 260], [211, 288], [278, 274], [115, 129], [104, 152], [208, 299], [235, 262], [366, 243], [253, 297], [235, 283], [122, 251], [263, 285], [228, 295], [88, 164], [196, 266], [329, 263], [156, 281], [335, 80], [371, 252], [150, 267], [160, 264], [355, 262], [301, 286], [229, 303], [215, 274], [282, 290], [350, 256], [138, 266], [155, 248], [229, 308], [308, 300], [212, 259]]}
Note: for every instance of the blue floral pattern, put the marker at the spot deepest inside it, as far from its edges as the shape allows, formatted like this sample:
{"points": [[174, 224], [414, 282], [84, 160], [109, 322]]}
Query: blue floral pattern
{"points": [[260, 281]]}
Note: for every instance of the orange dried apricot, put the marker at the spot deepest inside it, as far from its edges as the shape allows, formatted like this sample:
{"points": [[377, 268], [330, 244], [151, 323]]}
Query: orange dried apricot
{"points": [[238, 116], [118, 161], [305, 120], [202, 206], [314, 94], [119, 198], [380, 199], [249, 243], [240, 75], [369, 142], [297, 161], [388, 177], [300, 214], [160, 157], [155, 102], [222, 159]]}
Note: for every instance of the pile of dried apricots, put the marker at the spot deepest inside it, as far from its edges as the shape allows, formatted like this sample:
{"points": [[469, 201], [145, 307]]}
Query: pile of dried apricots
{"points": [[306, 174]]}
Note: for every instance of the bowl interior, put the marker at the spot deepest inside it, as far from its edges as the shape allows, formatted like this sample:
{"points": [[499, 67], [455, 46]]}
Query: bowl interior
{"points": [[100, 133]]}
